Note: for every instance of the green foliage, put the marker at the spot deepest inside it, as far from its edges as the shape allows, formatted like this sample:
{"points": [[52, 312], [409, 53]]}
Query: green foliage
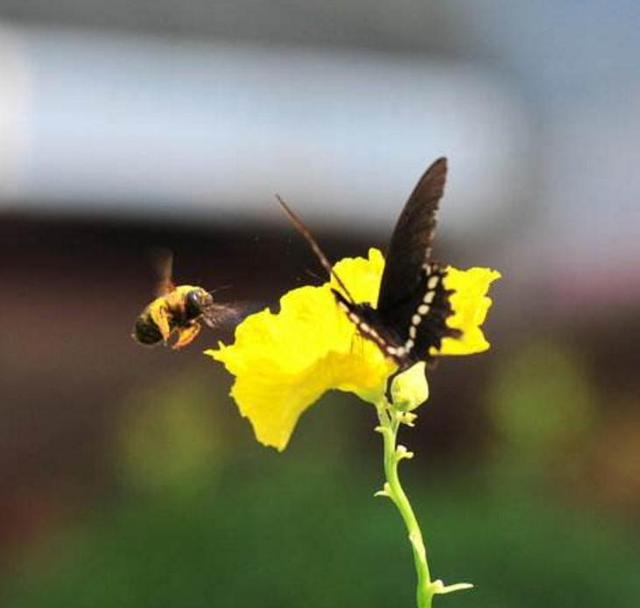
{"points": [[284, 535], [169, 438], [541, 401]]}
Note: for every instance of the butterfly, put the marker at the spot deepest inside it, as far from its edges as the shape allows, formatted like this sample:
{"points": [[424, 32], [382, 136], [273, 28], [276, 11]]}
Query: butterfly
{"points": [[409, 321]]}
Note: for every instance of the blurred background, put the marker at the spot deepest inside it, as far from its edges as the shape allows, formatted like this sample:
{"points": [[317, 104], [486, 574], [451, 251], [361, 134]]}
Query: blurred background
{"points": [[128, 478]]}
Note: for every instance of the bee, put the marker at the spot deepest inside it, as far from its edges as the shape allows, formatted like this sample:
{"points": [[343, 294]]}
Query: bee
{"points": [[178, 310]]}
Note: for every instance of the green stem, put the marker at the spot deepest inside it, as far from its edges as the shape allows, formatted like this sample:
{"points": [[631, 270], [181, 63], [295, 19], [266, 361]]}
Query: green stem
{"points": [[389, 424]]}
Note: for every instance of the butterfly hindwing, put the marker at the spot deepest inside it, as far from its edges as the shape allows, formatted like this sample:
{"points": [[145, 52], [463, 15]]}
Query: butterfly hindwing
{"points": [[420, 321]]}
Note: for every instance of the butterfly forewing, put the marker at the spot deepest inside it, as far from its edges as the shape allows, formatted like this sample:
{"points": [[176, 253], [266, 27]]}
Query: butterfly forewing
{"points": [[410, 245]]}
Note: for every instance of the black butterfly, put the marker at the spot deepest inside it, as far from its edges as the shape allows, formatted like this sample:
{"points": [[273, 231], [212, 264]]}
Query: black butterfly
{"points": [[413, 305]]}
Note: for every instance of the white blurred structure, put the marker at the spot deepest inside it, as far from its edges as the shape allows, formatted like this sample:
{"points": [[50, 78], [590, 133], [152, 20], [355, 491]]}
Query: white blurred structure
{"points": [[535, 103], [112, 124]]}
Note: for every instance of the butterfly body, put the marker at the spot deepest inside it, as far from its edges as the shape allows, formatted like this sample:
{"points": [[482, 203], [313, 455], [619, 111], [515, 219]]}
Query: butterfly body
{"points": [[409, 330]]}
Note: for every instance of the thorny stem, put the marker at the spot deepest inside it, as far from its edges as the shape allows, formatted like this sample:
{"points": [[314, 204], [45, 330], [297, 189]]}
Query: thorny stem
{"points": [[389, 424]]}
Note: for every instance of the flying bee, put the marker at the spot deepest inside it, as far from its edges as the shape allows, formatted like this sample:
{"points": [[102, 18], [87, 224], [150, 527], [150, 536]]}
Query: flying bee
{"points": [[178, 310]]}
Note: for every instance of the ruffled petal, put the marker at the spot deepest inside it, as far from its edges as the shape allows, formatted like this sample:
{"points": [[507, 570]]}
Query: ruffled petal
{"points": [[470, 305]]}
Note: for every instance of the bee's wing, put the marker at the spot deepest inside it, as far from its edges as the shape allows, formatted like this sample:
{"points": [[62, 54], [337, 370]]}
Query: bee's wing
{"points": [[218, 315], [163, 264]]}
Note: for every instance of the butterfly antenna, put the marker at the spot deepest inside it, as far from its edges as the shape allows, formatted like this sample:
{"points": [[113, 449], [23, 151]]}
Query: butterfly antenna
{"points": [[303, 230]]}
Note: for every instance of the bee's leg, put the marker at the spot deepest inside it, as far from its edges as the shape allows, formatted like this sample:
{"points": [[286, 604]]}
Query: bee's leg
{"points": [[160, 317], [186, 335]]}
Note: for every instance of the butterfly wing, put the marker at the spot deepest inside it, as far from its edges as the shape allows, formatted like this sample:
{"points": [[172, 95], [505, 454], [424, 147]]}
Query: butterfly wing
{"points": [[420, 321], [413, 300], [410, 245]]}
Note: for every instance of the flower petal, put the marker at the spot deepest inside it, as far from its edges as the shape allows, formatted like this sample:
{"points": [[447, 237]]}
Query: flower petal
{"points": [[470, 306], [362, 276]]}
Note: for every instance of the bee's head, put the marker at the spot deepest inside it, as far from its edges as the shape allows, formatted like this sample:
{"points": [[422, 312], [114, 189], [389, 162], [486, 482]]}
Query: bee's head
{"points": [[195, 301]]}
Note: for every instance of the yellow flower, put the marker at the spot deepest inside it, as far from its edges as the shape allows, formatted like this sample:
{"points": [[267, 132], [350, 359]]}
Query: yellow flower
{"points": [[283, 362]]}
